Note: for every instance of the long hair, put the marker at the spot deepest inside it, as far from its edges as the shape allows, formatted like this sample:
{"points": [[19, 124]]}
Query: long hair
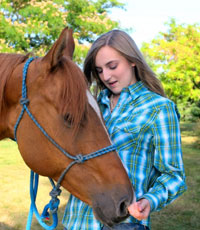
{"points": [[125, 45]]}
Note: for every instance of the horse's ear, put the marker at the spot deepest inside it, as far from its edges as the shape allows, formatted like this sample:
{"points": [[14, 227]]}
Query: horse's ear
{"points": [[63, 47]]}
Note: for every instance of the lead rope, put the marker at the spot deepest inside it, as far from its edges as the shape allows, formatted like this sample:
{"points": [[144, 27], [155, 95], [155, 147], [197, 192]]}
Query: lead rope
{"points": [[34, 177]]}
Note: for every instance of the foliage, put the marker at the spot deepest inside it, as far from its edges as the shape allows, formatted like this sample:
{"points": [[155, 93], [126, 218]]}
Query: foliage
{"points": [[189, 111], [175, 58], [33, 25]]}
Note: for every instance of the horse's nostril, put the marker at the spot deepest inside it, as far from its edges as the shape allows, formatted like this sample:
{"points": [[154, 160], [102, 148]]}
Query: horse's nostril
{"points": [[122, 209]]}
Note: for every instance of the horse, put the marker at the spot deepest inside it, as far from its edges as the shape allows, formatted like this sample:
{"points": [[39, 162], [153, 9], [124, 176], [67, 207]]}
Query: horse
{"points": [[60, 100]]}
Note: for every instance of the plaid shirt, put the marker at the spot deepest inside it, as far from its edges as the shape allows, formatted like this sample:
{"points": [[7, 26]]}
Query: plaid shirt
{"points": [[145, 128]]}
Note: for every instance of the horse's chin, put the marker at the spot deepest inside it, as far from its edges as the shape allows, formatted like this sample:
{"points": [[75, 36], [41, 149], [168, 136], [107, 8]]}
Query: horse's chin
{"points": [[108, 220]]}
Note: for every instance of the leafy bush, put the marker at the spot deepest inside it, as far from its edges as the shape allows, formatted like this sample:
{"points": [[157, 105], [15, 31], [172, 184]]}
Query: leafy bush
{"points": [[189, 111]]}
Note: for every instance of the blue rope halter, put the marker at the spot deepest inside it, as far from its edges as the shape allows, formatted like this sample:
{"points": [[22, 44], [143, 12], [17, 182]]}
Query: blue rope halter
{"points": [[34, 177]]}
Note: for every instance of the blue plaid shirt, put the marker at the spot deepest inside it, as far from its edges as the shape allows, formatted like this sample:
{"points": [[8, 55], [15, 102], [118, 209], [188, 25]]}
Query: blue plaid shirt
{"points": [[145, 128]]}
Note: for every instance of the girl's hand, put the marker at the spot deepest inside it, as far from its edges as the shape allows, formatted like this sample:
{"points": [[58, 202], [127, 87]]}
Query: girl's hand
{"points": [[140, 210]]}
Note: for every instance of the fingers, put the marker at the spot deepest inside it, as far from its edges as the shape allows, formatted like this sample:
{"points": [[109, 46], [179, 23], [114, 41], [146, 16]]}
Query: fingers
{"points": [[140, 210]]}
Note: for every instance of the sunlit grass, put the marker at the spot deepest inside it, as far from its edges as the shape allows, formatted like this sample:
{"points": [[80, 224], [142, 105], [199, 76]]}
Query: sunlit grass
{"points": [[14, 190]]}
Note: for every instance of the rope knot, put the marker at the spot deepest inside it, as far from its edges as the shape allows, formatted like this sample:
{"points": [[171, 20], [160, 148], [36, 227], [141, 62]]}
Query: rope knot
{"points": [[79, 158], [24, 101], [55, 192], [54, 202]]}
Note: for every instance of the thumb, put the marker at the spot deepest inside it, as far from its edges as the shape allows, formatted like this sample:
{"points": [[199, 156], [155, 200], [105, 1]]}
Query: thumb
{"points": [[133, 208]]}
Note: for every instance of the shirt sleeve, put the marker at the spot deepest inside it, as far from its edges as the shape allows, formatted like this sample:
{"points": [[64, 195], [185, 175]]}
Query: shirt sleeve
{"points": [[168, 161]]}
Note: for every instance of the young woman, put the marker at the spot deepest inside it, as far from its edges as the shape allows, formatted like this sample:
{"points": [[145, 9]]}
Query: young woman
{"points": [[142, 123]]}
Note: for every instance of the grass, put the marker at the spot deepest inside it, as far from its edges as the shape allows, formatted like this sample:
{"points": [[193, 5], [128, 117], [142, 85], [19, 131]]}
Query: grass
{"points": [[183, 214], [14, 190]]}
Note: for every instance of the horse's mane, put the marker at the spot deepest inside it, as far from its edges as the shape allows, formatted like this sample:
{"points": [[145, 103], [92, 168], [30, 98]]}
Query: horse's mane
{"points": [[73, 102], [8, 62]]}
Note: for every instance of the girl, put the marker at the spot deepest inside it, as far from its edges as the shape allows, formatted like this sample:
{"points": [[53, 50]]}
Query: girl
{"points": [[142, 123]]}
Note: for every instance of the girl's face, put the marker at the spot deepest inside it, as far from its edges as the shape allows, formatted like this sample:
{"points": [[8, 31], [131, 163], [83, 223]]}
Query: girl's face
{"points": [[114, 70]]}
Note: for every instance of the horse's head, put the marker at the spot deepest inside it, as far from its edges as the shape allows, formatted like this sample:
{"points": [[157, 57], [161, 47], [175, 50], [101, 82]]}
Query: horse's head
{"points": [[62, 104]]}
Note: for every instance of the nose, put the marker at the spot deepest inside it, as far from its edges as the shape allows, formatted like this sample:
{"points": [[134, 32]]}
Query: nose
{"points": [[112, 208], [106, 75]]}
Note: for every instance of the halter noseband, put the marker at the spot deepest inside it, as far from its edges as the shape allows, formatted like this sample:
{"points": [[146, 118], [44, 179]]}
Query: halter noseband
{"points": [[53, 204]]}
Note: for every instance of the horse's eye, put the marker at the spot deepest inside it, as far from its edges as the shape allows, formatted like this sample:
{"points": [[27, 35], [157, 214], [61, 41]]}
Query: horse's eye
{"points": [[68, 120]]}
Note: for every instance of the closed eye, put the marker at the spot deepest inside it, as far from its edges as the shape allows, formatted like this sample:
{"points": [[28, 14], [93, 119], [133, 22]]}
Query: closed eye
{"points": [[113, 67], [99, 70], [68, 120]]}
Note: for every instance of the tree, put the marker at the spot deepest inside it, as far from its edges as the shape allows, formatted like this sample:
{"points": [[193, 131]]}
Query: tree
{"points": [[33, 25], [175, 57]]}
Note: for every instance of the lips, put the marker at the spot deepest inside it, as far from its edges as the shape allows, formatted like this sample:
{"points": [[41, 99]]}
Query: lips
{"points": [[112, 84]]}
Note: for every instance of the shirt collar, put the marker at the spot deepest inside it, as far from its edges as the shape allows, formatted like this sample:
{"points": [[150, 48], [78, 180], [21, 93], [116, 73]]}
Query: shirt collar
{"points": [[136, 89]]}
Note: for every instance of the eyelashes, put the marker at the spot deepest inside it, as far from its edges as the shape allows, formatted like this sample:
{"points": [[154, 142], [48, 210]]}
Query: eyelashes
{"points": [[110, 66], [68, 120], [113, 67], [99, 70]]}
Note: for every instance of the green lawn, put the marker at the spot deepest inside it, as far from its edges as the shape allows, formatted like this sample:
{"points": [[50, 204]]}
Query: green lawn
{"points": [[183, 214], [14, 190]]}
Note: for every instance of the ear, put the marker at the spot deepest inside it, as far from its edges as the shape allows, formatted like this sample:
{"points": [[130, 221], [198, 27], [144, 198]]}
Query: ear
{"points": [[63, 47]]}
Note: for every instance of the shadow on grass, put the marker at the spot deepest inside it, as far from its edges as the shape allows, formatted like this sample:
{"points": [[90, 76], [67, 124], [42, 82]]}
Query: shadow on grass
{"points": [[4, 226]]}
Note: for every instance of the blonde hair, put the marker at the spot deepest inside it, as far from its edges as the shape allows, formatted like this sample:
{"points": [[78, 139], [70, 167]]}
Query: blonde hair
{"points": [[125, 45]]}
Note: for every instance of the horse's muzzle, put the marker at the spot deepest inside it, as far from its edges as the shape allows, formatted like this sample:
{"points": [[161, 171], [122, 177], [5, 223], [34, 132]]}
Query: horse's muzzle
{"points": [[111, 207]]}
